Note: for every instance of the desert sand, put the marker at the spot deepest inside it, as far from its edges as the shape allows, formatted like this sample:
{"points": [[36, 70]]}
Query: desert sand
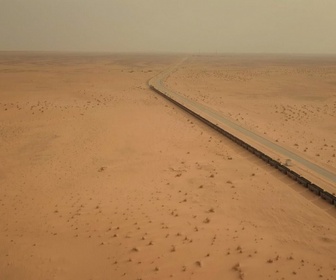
{"points": [[101, 178]]}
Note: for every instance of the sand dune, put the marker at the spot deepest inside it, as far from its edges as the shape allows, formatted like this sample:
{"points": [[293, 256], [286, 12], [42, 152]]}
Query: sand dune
{"points": [[103, 179]]}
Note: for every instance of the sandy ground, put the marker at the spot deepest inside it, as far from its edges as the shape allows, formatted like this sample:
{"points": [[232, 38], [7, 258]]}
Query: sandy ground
{"points": [[289, 100], [100, 178]]}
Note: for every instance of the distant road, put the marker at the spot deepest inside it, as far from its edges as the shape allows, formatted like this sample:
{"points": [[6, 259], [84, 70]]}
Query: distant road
{"points": [[158, 83]]}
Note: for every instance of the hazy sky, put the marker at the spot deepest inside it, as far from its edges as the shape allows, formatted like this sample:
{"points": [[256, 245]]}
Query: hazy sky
{"points": [[285, 26]]}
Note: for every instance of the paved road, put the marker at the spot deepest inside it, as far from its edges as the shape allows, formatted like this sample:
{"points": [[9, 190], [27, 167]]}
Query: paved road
{"points": [[158, 83]]}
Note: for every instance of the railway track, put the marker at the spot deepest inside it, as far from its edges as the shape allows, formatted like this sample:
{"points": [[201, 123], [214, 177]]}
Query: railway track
{"points": [[156, 84]]}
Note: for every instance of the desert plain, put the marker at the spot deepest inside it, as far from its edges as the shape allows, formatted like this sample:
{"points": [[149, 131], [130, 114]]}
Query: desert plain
{"points": [[101, 178]]}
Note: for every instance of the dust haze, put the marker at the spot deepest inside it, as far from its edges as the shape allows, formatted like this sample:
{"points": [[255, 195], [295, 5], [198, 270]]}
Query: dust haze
{"points": [[103, 177], [261, 26]]}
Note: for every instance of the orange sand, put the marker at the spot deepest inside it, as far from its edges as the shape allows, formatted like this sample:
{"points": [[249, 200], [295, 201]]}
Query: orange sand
{"points": [[100, 178]]}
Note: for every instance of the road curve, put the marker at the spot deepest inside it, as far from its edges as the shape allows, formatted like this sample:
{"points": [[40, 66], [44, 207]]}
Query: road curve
{"points": [[157, 82]]}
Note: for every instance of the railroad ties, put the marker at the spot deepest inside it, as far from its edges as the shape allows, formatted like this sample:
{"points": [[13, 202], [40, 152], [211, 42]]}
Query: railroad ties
{"points": [[328, 197]]}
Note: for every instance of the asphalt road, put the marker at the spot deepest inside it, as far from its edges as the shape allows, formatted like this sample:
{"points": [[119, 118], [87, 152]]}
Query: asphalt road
{"points": [[158, 83]]}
